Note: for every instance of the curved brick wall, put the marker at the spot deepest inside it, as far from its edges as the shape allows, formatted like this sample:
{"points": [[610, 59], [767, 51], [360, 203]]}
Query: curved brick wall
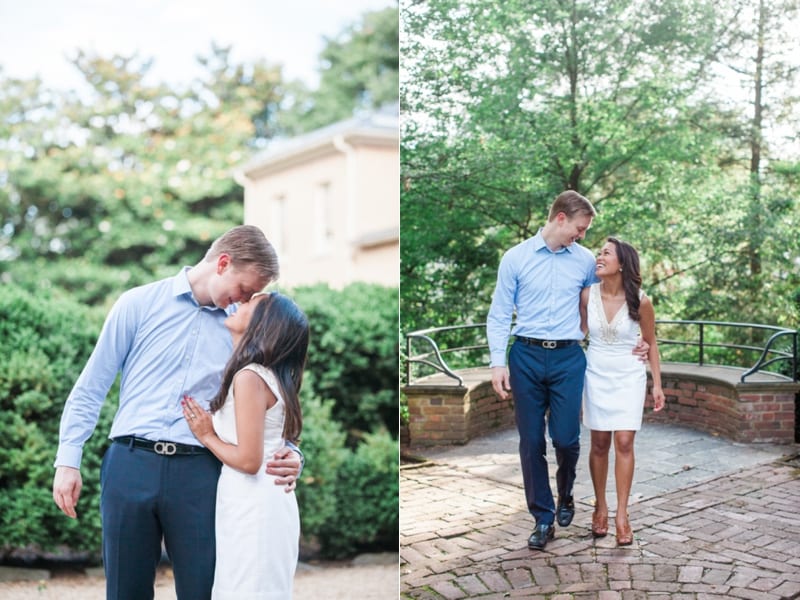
{"points": [[708, 398]]}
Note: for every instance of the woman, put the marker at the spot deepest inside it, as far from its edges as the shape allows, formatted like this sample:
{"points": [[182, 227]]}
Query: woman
{"points": [[255, 410], [614, 312]]}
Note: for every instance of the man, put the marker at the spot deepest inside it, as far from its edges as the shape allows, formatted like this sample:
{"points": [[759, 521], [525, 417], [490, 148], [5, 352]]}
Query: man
{"points": [[542, 279], [168, 340]]}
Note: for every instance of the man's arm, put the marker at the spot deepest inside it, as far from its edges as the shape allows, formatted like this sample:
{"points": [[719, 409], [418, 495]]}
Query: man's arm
{"points": [[498, 325], [83, 405]]}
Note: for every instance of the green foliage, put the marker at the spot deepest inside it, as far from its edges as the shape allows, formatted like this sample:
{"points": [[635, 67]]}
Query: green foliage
{"points": [[359, 70], [353, 356], [49, 341], [121, 186], [366, 499], [134, 177], [322, 443], [46, 342], [515, 102]]}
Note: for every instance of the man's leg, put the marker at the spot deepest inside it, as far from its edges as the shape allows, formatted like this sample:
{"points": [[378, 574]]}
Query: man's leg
{"points": [[187, 512], [566, 367], [526, 368], [129, 482]]}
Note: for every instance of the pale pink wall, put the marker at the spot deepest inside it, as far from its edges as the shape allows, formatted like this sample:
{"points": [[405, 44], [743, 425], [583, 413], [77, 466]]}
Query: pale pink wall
{"points": [[364, 210]]}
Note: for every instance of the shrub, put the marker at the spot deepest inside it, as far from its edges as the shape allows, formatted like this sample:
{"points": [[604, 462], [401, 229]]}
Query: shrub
{"points": [[366, 500], [45, 344], [322, 443], [353, 357]]}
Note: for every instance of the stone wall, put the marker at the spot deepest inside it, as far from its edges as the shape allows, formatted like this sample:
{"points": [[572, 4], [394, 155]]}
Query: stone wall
{"points": [[713, 399], [442, 412], [708, 398]]}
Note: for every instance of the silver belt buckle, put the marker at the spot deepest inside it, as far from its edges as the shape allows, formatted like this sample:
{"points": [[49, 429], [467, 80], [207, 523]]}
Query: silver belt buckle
{"points": [[165, 448], [549, 344]]}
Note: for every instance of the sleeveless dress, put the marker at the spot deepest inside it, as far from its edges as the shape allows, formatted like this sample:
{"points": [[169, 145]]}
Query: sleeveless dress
{"points": [[616, 380], [257, 522]]}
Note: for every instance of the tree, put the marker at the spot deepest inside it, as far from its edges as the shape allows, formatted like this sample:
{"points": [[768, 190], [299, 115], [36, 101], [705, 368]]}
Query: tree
{"points": [[135, 179], [508, 106], [358, 71]]}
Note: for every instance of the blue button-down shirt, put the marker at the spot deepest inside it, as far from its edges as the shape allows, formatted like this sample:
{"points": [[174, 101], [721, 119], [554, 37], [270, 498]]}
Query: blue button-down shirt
{"points": [[165, 345], [543, 287]]}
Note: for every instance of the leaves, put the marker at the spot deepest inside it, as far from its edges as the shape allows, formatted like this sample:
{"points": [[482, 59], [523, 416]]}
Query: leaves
{"points": [[507, 106]]}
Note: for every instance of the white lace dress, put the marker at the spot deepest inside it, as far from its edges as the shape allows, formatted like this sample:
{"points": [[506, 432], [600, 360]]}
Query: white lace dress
{"points": [[616, 380], [257, 522]]}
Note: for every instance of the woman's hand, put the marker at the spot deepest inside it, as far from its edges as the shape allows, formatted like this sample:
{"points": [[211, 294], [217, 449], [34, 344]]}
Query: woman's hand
{"points": [[199, 420], [658, 399]]}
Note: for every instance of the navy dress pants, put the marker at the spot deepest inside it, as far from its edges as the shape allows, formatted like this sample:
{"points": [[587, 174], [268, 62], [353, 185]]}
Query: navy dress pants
{"points": [[146, 497], [547, 385]]}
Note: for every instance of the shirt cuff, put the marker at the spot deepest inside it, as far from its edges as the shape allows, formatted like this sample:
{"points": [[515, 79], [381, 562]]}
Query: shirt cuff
{"points": [[69, 456]]}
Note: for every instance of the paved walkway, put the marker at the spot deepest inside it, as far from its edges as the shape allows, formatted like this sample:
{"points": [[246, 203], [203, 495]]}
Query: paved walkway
{"points": [[711, 519]]}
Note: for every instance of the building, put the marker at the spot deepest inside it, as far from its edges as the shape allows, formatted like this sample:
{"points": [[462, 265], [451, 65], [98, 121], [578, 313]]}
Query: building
{"points": [[329, 201]]}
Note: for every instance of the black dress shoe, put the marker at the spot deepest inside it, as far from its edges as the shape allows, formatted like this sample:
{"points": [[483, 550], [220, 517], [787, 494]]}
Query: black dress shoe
{"points": [[565, 511], [540, 537]]}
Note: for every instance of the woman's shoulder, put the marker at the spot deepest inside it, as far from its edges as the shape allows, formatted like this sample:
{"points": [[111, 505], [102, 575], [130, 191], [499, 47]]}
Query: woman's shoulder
{"points": [[264, 372]]}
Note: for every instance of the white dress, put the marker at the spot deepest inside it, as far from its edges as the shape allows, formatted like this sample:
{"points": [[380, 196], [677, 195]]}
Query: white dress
{"points": [[257, 522], [616, 380]]}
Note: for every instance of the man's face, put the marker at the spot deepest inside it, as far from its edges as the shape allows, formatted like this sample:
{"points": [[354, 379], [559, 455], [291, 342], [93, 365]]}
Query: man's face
{"points": [[231, 284], [574, 229], [239, 320]]}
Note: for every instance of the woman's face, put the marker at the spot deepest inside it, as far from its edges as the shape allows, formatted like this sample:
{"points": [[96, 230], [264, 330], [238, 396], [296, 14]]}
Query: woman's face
{"points": [[607, 261], [238, 321]]}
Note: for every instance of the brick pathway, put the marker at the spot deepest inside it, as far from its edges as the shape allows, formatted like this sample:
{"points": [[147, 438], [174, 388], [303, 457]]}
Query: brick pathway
{"points": [[733, 534]]}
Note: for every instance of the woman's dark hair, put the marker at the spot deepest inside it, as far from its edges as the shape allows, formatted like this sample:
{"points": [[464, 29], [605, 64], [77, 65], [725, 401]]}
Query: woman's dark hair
{"points": [[631, 277], [277, 338]]}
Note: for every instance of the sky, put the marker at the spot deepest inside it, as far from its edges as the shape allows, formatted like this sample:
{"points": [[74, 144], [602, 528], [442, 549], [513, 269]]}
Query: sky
{"points": [[36, 35]]}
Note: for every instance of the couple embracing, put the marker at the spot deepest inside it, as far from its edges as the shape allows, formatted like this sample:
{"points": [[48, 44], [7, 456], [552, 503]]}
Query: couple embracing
{"points": [[217, 487]]}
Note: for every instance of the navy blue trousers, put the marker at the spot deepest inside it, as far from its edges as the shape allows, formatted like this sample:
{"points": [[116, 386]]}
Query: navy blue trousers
{"points": [[547, 386], [146, 497]]}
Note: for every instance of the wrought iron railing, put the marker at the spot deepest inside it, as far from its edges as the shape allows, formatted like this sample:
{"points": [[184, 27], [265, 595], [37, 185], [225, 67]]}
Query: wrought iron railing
{"points": [[753, 347]]}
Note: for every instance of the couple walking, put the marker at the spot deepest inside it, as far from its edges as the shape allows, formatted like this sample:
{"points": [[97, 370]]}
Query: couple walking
{"points": [[218, 490], [559, 293]]}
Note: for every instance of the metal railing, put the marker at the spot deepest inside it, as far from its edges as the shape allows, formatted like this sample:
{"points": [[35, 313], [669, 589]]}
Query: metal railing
{"points": [[466, 346]]}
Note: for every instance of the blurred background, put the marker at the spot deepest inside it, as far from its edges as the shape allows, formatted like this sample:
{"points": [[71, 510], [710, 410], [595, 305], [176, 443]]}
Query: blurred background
{"points": [[131, 136]]}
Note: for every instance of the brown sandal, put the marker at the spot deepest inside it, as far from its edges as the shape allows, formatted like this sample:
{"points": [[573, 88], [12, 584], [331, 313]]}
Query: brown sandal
{"points": [[624, 534], [599, 525]]}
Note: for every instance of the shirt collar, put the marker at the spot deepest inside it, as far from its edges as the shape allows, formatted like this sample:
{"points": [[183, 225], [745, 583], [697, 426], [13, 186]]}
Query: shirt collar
{"points": [[182, 287], [539, 244]]}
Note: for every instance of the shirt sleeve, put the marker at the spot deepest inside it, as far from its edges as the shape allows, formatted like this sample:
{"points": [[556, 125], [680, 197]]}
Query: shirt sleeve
{"points": [[84, 402], [300, 453], [501, 312]]}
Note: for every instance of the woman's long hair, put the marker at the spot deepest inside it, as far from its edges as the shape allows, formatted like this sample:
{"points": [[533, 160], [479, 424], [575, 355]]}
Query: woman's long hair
{"points": [[631, 277], [277, 338]]}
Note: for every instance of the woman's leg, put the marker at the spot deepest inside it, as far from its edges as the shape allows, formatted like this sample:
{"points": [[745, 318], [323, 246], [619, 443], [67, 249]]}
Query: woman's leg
{"points": [[598, 469], [623, 473]]}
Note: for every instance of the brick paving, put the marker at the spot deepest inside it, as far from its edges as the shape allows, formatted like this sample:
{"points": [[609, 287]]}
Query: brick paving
{"points": [[725, 524]]}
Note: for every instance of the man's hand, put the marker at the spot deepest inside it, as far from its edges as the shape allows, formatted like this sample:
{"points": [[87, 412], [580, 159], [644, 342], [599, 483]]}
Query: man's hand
{"points": [[67, 485], [285, 464], [641, 350], [501, 382]]}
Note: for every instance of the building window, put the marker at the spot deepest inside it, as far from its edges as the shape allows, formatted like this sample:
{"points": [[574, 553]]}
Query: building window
{"points": [[323, 227], [277, 220]]}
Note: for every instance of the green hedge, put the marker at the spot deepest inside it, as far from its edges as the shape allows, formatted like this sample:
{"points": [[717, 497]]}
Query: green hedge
{"points": [[45, 344], [354, 357]]}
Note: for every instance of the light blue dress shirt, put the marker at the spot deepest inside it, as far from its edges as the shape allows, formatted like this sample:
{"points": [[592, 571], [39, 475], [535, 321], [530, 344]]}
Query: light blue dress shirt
{"points": [[165, 345], [544, 288]]}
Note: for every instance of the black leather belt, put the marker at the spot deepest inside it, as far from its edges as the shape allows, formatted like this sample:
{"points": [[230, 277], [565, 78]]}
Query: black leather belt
{"points": [[549, 344], [162, 448]]}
